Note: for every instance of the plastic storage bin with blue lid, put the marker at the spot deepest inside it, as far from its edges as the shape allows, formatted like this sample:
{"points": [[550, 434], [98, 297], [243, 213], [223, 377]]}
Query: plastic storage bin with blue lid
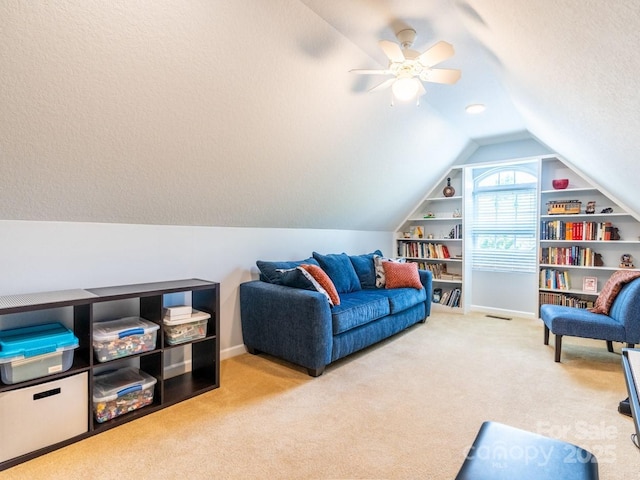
{"points": [[35, 351], [116, 392], [123, 337]]}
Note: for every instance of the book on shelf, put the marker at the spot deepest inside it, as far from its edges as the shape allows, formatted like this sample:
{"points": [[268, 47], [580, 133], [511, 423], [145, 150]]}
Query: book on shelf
{"points": [[554, 279], [451, 298], [421, 249], [561, 230], [565, 300], [575, 255]]}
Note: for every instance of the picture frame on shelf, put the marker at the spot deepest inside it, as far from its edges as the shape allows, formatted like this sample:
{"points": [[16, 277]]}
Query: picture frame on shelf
{"points": [[590, 284]]}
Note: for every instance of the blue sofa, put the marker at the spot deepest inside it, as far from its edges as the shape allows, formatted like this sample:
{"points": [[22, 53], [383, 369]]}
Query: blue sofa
{"points": [[298, 324]]}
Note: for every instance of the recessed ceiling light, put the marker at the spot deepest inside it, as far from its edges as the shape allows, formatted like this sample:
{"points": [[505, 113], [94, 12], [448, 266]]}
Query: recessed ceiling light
{"points": [[475, 108]]}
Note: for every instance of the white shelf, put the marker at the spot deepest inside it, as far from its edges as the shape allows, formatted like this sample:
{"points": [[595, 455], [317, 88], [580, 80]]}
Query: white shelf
{"points": [[438, 199], [570, 291], [435, 260], [443, 221], [606, 242], [605, 268], [586, 215], [434, 219], [585, 191], [570, 190]]}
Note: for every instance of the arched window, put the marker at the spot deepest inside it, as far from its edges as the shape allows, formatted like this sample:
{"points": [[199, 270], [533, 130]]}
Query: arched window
{"points": [[503, 232]]}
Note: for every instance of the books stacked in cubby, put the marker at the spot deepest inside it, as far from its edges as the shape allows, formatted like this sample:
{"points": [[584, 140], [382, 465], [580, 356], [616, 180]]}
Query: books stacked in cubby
{"points": [[566, 300], [422, 250], [574, 255], [555, 279], [559, 230], [451, 298]]}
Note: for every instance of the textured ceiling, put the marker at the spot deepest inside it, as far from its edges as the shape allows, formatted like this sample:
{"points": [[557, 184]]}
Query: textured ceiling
{"points": [[243, 113]]}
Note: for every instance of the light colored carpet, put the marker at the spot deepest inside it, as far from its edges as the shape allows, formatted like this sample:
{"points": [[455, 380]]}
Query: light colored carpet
{"points": [[407, 408]]}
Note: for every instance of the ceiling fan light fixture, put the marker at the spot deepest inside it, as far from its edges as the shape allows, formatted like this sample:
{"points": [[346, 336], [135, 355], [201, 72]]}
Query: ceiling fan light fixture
{"points": [[405, 89]]}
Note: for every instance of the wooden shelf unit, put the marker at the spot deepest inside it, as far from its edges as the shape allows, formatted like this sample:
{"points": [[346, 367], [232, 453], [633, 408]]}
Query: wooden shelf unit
{"points": [[79, 309]]}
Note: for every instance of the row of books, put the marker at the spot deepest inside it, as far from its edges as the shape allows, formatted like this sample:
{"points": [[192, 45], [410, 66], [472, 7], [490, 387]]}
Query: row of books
{"points": [[566, 300], [456, 232], [574, 255], [560, 230], [451, 298], [556, 279], [422, 250]]}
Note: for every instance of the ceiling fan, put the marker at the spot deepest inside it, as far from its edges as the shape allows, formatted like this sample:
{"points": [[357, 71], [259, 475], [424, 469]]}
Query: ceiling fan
{"points": [[410, 68]]}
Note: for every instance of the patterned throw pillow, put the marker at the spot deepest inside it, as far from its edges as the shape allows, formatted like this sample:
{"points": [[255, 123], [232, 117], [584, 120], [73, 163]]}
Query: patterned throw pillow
{"points": [[402, 275], [322, 282], [380, 276], [611, 289]]}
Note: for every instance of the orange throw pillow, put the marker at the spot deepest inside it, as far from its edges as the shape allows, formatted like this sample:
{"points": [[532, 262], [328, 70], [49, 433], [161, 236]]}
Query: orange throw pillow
{"points": [[324, 282], [611, 289], [402, 275]]}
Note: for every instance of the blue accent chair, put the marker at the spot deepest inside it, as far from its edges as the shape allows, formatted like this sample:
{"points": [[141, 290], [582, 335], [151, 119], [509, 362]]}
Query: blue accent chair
{"points": [[621, 325]]}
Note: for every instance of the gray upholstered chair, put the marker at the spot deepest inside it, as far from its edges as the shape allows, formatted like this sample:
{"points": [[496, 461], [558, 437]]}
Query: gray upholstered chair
{"points": [[622, 324]]}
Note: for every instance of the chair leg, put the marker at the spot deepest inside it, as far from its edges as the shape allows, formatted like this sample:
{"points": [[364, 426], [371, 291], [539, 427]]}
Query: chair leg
{"points": [[546, 335], [610, 346], [558, 347]]}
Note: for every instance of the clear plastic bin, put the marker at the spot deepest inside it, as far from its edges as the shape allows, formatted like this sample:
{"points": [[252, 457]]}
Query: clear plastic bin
{"points": [[117, 392], [36, 351], [123, 337], [186, 329]]}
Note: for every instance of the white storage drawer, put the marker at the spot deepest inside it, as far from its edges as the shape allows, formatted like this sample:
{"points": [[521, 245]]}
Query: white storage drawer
{"points": [[41, 415]]}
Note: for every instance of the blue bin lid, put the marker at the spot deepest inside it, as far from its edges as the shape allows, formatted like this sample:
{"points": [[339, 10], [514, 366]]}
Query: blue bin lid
{"points": [[36, 340]]}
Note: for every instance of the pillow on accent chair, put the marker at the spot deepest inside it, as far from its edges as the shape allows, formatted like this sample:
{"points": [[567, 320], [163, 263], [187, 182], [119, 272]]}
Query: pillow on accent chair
{"points": [[401, 275], [611, 289], [380, 276], [340, 271], [365, 268], [321, 282], [272, 271]]}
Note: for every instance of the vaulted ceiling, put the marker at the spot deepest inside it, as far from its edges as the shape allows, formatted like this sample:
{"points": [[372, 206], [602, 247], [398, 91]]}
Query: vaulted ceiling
{"points": [[244, 113]]}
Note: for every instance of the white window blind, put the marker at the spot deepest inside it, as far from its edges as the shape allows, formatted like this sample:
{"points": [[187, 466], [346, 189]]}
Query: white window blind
{"points": [[504, 221]]}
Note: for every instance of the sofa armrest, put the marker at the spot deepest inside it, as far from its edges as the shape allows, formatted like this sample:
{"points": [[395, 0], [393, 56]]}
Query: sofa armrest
{"points": [[290, 323], [426, 278]]}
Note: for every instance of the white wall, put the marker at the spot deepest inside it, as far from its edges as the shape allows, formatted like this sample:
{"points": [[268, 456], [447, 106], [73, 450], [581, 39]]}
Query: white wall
{"points": [[45, 256]]}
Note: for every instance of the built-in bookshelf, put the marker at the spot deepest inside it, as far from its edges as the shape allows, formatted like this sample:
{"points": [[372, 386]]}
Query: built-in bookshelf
{"points": [[433, 238], [584, 234]]}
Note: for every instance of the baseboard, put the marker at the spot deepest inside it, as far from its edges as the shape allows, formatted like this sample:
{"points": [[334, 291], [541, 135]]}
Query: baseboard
{"points": [[502, 312], [232, 351]]}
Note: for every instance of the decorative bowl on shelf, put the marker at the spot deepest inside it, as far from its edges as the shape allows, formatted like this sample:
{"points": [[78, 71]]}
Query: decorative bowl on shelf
{"points": [[560, 183]]}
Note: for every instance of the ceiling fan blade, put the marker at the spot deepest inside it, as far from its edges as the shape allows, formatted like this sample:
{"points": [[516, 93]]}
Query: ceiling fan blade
{"points": [[383, 85], [443, 75], [436, 54], [392, 51], [371, 72]]}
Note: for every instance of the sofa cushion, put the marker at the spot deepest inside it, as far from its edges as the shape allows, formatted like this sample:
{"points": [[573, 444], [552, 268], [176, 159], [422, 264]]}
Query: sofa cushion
{"points": [[365, 268], [402, 275], [358, 308], [296, 278], [380, 277], [272, 271], [321, 282], [402, 298], [340, 271]]}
